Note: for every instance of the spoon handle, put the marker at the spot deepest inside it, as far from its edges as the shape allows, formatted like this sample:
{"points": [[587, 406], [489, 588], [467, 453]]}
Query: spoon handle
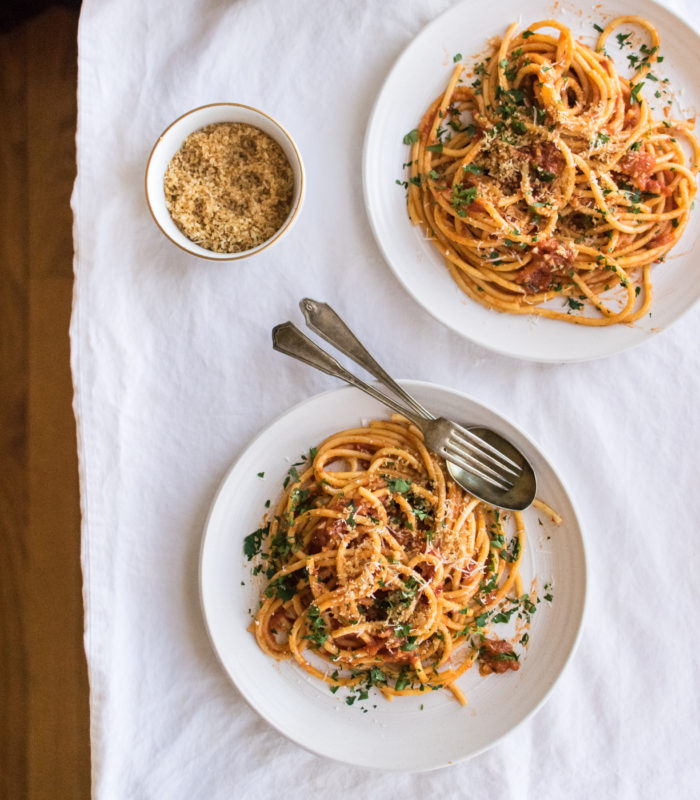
{"points": [[288, 339], [324, 321]]}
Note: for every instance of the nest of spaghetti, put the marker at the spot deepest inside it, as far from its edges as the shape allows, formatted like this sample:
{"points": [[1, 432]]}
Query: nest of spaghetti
{"points": [[543, 173], [385, 569]]}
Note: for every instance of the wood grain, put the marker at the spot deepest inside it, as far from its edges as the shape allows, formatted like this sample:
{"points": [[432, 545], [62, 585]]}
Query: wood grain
{"points": [[14, 391], [44, 741]]}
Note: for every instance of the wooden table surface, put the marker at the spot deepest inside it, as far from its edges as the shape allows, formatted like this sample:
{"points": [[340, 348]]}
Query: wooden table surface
{"points": [[44, 723]]}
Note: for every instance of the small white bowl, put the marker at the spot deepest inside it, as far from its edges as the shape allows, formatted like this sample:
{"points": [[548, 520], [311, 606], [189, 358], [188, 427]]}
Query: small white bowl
{"points": [[170, 142]]}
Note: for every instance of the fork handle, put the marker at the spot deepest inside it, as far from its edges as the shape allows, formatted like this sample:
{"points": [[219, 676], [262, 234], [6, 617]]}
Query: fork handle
{"points": [[324, 321], [288, 339]]}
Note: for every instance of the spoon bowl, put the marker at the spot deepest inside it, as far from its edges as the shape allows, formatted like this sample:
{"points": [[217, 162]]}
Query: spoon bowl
{"points": [[519, 496]]}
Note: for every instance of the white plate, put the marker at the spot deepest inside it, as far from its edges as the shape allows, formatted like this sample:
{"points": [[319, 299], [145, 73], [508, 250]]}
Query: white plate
{"points": [[396, 735], [419, 75]]}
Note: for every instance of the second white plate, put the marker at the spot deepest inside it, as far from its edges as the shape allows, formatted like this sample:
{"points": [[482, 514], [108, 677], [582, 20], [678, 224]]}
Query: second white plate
{"points": [[411, 733], [419, 75]]}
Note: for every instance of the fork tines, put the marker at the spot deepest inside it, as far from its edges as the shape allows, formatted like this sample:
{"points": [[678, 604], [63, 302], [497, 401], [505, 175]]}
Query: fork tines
{"points": [[485, 450], [470, 452], [470, 463]]}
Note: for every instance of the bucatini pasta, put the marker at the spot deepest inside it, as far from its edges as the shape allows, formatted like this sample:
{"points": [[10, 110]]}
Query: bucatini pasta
{"points": [[385, 569], [548, 175]]}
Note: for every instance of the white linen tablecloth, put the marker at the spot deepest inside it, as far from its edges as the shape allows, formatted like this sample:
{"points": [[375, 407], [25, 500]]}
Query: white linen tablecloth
{"points": [[174, 374]]}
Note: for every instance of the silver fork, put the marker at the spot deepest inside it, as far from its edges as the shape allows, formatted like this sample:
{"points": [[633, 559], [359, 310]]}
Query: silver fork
{"points": [[483, 462]]}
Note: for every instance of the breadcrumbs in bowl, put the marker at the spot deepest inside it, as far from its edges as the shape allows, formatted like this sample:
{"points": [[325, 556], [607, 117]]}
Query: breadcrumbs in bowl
{"points": [[225, 181], [229, 187]]}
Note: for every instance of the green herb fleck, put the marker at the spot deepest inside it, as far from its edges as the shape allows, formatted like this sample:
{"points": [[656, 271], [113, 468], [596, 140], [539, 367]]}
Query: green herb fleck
{"points": [[397, 485], [253, 542], [282, 587], [317, 627], [634, 97]]}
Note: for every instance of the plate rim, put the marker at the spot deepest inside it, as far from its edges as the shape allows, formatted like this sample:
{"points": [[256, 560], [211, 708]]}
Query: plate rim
{"points": [[500, 350], [583, 566]]}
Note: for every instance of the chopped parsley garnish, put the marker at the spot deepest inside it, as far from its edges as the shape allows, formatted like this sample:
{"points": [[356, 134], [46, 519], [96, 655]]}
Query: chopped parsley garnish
{"points": [[502, 656], [462, 197], [513, 553], [402, 681], [491, 584], [598, 28], [280, 547], [411, 137], [528, 608], [399, 598], [504, 616], [498, 541], [253, 542], [634, 96], [527, 34], [600, 138], [544, 175], [376, 676], [473, 168], [421, 513], [457, 57], [317, 627], [574, 304], [397, 485], [351, 516], [435, 148], [282, 587], [299, 498]]}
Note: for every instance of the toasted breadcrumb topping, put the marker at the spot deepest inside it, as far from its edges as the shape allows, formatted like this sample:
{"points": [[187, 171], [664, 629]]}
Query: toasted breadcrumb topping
{"points": [[229, 187]]}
